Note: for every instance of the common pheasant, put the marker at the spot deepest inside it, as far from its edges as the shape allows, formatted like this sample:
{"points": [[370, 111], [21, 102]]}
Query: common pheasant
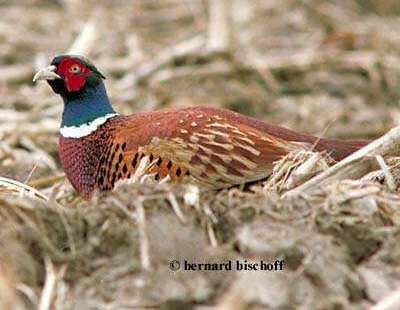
{"points": [[216, 148]]}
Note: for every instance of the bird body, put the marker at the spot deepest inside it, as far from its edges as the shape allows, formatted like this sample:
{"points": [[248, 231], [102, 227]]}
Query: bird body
{"points": [[216, 148]]}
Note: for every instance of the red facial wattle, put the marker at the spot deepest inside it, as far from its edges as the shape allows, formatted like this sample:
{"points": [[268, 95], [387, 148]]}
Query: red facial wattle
{"points": [[75, 80]]}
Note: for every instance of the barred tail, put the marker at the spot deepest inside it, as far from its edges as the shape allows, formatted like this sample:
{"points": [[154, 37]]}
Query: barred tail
{"points": [[340, 149]]}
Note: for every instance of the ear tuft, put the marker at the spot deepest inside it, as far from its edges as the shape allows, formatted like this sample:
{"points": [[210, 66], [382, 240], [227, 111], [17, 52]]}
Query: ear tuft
{"points": [[101, 74]]}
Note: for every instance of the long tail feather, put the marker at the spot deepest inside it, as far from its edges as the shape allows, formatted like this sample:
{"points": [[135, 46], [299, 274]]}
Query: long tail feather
{"points": [[340, 149]]}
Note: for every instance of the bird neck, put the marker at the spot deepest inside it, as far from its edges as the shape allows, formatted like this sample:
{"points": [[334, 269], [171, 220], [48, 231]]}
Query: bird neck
{"points": [[85, 112]]}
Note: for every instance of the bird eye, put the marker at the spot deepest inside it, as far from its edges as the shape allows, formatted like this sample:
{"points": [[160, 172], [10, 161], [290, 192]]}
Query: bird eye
{"points": [[75, 69]]}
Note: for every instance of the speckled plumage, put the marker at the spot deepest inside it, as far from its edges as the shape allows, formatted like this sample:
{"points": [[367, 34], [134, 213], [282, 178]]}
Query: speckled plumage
{"points": [[214, 147]]}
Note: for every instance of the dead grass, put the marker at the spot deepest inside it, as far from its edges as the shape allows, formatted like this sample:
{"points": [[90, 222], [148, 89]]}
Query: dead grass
{"points": [[327, 67]]}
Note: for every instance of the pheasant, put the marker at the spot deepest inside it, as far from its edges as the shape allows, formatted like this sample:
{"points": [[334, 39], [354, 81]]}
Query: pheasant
{"points": [[215, 148]]}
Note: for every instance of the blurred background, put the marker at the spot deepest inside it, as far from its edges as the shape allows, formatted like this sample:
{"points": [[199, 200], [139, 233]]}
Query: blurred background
{"points": [[327, 67]]}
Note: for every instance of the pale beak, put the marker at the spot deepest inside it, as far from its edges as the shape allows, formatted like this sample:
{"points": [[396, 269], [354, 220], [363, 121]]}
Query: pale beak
{"points": [[46, 74]]}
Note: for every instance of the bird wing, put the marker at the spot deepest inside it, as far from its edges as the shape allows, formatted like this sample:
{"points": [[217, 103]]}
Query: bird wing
{"points": [[214, 147]]}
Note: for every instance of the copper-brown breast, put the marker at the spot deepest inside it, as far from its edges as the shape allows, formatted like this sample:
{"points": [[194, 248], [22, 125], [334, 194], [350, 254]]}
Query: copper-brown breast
{"points": [[214, 147]]}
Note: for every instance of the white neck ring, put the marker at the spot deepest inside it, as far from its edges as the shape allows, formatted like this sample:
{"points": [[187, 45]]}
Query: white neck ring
{"points": [[85, 129]]}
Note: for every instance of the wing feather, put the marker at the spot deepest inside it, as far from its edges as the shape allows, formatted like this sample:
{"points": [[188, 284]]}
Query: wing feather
{"points": [[214, 149]]}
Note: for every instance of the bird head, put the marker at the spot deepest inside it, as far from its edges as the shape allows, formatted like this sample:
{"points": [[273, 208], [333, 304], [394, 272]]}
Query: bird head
{"points": [[81, 87], [70, 75]]}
